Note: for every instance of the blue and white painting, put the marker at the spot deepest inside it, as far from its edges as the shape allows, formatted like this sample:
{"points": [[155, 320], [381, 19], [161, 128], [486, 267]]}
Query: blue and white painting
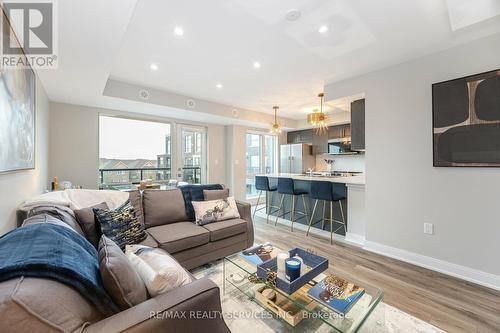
{"points": [[17, 118]]}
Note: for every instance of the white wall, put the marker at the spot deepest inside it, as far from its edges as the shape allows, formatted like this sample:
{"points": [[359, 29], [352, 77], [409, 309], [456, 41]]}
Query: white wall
{"points": [[15, 187], [403, 189], [74, 143]]}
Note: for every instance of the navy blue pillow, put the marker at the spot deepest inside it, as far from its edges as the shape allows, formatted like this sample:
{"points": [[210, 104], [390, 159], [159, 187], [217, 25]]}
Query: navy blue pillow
{"points": [[194, 192]]}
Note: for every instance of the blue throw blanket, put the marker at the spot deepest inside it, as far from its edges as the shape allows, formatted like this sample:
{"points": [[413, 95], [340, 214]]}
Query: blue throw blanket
{"points": [[55, 252]]}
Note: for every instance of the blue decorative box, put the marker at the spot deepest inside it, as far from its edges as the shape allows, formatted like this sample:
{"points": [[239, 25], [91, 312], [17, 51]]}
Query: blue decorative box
{"points": [[318, 265]]}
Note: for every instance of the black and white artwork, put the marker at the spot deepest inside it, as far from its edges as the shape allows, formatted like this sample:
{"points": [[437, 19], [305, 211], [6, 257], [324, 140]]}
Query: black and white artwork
{"points": [[466, 121], [17, 118]]}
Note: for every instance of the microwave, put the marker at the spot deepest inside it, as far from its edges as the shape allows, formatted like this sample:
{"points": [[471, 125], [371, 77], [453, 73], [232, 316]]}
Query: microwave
{"points": [[340, 147]]}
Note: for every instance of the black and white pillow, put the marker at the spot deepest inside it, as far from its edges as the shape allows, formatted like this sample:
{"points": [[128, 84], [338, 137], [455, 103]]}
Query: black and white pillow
{"points": [[121, 225], [215, 210]]}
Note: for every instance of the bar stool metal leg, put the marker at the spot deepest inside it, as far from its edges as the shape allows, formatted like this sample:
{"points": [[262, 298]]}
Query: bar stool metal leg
{"points": [[257, 205], [324, 216], [270, 206], [312, 216], [293, 209], [343, 217], [331, 222], [305, 207], [279, 209]]}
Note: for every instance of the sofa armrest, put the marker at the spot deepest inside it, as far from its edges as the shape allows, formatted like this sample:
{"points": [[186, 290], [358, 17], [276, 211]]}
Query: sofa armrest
{"points": [[245, 210], [194, 307]]}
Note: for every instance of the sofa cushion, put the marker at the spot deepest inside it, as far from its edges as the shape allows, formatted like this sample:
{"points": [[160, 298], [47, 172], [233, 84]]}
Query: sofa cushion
{"points": [[62, 213], [149, 241], [215, 194], [86, 219], [43, 305], [175, 237], [225, 229], [194, 192], [135, 199], [119, 278], [163, 207], [45, 218], [159, 270], [121, 225]]}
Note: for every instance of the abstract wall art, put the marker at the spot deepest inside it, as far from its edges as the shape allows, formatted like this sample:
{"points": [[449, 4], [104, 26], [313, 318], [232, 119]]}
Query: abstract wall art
{"points": [[17, 117], [466, 121]]}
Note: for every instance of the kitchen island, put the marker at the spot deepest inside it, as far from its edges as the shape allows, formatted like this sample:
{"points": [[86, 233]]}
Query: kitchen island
{"points": [[352, 187]]}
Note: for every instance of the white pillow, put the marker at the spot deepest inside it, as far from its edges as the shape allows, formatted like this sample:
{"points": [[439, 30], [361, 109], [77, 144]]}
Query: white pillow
{"points": [[215, 210], [159, 271]]}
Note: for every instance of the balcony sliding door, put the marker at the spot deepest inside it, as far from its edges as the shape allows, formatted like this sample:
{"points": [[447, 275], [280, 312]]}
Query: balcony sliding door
{"points": [[192, 161], [132, 150], [260, 159]]}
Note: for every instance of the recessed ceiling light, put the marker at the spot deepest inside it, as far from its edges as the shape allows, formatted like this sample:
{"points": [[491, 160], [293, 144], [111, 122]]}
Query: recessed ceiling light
{"points": [[256, 64], [179, 31], [218, 85], [154, 67], [323, 29]]}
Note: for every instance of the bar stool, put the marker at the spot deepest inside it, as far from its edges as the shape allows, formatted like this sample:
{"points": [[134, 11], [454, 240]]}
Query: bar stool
{"points": [[325, 190], [287, 186], [262, 184]]}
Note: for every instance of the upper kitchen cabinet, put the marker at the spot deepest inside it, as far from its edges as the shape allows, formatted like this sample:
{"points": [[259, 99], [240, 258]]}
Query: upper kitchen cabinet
{"points": [[358, 125], [319, 143], [304, 136], [336, 132]]}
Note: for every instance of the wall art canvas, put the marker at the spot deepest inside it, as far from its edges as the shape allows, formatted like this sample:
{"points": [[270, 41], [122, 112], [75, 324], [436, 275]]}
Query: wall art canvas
{"points": [[466, 121], [17, 117]]}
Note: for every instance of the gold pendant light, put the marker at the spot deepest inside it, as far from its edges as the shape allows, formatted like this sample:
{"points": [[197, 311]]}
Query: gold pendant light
{"points": [[318, 119], [275, 127]]}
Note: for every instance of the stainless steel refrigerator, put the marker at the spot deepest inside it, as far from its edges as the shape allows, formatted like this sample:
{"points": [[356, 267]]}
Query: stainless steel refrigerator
{"points": [[296, 158]]}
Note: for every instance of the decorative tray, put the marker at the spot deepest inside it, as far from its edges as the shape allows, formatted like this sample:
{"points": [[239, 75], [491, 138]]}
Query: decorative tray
{"points": [[316, 265]]}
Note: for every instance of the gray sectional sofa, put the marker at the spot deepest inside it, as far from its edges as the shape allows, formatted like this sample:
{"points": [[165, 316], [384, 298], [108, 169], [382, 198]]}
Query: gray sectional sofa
{"points": [[44, 305]]}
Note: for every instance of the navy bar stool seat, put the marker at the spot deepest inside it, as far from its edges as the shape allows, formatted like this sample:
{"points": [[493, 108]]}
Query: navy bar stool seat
{"points": [[286, 186], [262, 184], [325, 191]]}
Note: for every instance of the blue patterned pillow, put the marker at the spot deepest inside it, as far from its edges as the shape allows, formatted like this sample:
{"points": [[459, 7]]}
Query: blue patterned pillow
{"points": [[121, 225]]}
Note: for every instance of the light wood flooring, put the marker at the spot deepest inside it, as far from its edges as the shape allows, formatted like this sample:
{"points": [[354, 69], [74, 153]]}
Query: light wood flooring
{"points": [[451, 304]]}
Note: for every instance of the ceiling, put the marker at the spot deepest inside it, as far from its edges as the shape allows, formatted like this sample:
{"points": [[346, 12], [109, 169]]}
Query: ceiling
{"points": [[120, 39]]}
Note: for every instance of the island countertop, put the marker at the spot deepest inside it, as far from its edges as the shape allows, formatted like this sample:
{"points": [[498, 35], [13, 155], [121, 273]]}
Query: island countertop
{"points": [[354, 180]]}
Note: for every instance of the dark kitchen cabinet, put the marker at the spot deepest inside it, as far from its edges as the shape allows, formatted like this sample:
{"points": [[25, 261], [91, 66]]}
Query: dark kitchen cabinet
{"points": [[347, 130], [358, 125], [319, 143], [304, 136], [336, 132]]}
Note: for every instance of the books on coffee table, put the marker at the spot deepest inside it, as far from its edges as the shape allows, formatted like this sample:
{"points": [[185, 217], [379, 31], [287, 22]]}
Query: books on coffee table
{"points": [[260, 253], [336, 293]]}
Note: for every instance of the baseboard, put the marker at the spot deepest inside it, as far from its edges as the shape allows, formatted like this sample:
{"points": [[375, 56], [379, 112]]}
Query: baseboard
{"points": [[465, 273], [355, 239]]}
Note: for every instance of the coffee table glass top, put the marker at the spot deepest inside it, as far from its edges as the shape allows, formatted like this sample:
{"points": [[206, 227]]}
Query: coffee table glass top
{"points": [[242, 275]]}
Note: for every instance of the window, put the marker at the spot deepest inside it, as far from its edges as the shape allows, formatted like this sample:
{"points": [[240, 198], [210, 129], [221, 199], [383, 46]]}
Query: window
{"points": [[127, 147], [260, 159]]}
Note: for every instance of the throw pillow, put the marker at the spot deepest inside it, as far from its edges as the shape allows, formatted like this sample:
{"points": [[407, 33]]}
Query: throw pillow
{"points": [[216, 194], [158, 270], [121, 225], [86, 219], [119, 278], [215, 210]]}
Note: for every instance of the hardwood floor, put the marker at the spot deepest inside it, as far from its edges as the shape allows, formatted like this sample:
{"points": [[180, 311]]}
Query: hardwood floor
{"points": [[451, 304]]}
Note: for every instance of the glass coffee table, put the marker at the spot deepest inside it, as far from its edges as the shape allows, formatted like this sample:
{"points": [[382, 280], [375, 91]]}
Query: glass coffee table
{"points": [[241, 275]]}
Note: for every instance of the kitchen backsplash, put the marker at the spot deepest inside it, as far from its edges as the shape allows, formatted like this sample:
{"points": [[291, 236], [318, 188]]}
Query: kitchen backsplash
{"points": [[342, 162]]}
